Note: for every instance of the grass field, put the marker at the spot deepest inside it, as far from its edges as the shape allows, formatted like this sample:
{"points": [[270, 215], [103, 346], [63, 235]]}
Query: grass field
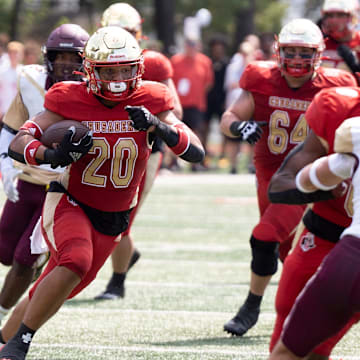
{"points": [[193, 234]]}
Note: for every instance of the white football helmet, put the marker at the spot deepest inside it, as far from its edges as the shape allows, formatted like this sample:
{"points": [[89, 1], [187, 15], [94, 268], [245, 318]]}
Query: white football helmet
{"points": [[113, 46], [299, 33], [339, 28], [123, 15]]}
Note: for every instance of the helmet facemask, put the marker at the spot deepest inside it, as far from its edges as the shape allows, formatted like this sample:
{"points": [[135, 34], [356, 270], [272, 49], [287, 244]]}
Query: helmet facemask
{"points": [[63, 71], [338, 25], [114, 90], [298, 61]]}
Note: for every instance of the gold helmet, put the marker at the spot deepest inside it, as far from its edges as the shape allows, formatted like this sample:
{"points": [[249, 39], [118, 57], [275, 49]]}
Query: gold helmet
{"points": [[339, 27], [124, 16], [299, 33], [113, 47]]}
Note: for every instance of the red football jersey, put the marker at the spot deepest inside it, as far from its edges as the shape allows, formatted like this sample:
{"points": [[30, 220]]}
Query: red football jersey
{"points": [[283, 109], [108, 177], [328, 110], [330, 57], [157, 66]]}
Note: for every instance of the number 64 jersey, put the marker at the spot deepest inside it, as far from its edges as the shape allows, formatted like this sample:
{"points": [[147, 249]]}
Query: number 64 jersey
{"points": [[108, 177], [283, 109]]}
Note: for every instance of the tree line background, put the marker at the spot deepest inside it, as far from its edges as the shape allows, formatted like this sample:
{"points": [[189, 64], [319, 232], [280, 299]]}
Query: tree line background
{"points": [[34, 19]]}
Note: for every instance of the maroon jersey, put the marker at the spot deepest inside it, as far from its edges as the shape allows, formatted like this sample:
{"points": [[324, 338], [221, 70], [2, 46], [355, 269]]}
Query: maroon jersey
{"points": [[108, 177], [325, 114], [157, 66], [330, 57], [283, 108]]}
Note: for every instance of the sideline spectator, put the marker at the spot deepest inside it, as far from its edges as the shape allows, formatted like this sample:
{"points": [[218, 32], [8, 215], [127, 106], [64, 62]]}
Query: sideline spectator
{"points": [[193, 77], [9, 75], [216, 96]]}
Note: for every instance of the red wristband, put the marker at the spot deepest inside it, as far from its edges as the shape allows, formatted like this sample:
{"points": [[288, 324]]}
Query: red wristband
{"points": [[30, 152], [33, 128], [184, 140]]}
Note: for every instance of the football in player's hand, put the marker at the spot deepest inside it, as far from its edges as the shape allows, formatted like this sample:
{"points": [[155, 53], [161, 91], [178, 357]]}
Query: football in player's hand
{"points": [[55, 133]]}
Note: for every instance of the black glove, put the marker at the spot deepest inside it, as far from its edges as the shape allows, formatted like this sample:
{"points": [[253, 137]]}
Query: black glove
{"points": [[249, 131], [141, 117], [67, 152], [349, 57]]}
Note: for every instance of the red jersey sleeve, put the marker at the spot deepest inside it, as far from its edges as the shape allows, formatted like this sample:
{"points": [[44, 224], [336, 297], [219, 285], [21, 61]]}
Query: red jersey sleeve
{"points": [[326, 112], [157, 66], [54, 98]]}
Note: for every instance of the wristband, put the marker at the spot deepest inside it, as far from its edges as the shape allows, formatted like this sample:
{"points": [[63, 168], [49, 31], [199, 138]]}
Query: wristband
{"points": [[33, 128], [30, 152], [184, 140], [314, 179], [299, 186]]}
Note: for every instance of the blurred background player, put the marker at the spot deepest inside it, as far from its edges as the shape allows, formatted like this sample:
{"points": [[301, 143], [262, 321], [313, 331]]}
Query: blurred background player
{"points": [[288, 87], [342, 40], [9, 75], [331, 298], [88, 206], [216, 95], [157, 68], [25, 197], [193, 78]]}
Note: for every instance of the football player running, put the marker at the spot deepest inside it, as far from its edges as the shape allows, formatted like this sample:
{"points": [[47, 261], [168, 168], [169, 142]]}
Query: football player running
{"points": [[272, 118], [94, 196], [25, 200], [342, 40], [328, 303], [157, 68]]}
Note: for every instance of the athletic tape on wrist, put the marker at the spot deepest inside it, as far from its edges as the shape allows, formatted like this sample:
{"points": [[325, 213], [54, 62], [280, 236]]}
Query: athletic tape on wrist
{"points": [[30, 152], [33, 128], [299, 185], [184, 140], [314, 179]]}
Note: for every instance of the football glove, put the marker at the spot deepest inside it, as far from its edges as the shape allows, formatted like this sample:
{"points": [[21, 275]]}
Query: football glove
{"points": [[8, 176], [141, 117], [349, 57], [67, 151], [249, 131]]}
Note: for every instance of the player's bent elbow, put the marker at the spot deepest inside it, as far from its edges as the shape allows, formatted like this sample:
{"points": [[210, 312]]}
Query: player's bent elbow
{"points": [[194, 154]]}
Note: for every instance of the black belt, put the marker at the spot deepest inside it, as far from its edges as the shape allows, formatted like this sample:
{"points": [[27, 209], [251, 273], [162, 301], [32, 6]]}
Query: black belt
{"points": [[105, 222], [321, 227]]}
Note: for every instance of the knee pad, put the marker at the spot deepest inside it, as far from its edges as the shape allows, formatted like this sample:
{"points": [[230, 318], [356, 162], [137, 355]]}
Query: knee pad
{"points": [[264, 257]]}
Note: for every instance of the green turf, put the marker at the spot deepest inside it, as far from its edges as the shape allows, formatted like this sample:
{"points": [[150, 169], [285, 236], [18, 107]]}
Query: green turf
{"points": [[193, 235]]}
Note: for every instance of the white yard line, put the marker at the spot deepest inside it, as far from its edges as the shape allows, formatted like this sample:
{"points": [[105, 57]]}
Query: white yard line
{"points": [[189, 350]]}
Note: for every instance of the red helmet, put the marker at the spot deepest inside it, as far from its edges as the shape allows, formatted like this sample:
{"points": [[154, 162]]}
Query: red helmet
{"points": [[65, 38], [301, 33]]}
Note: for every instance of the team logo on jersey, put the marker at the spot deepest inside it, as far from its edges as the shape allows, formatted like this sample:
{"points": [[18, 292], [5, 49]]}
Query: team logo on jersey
{"points": [[307, 242]]}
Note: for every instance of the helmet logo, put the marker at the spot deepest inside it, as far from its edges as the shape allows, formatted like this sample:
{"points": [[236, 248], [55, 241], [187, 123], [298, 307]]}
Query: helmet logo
{"points": [[66, 44]]}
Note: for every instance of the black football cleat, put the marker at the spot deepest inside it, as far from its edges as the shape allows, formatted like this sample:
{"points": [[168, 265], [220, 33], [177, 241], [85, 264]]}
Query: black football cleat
{"points": [[117, 291], [244, 320], [111, 293]]}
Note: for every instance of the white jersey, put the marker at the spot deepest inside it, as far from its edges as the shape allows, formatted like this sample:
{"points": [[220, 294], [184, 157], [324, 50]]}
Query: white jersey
{"points": [[28, 102]]}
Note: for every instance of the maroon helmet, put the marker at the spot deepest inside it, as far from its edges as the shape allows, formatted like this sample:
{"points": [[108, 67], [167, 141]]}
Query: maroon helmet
{"points": [[65, 38]]}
